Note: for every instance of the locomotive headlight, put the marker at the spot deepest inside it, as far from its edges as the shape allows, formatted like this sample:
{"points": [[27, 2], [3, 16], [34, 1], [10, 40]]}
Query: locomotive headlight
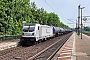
{"points": [[32, 33], [22, 33]]}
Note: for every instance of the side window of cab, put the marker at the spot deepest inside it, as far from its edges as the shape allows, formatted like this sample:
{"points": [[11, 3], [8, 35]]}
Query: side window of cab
{"points": [[38, 27]]}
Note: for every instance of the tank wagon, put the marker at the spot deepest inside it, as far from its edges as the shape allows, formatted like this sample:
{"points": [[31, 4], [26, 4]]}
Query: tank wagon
{"points": [[61, 31], [56, 31]]}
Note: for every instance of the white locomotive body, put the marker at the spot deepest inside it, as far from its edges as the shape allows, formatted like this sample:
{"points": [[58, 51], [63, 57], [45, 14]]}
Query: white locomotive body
{"points": [[35, 32]]}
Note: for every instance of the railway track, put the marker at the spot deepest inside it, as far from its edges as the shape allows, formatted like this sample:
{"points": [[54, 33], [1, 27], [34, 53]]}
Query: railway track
{"points": [[49, 52], [34, 51]]}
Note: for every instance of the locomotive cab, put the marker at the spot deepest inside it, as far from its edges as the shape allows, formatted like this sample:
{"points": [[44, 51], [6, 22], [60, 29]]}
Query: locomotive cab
{"points": [[30, 33]]}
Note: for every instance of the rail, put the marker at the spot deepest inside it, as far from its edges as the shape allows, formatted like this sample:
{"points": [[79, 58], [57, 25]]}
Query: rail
{"points": [[48, 53]]}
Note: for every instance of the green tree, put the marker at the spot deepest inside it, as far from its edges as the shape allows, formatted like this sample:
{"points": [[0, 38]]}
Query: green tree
{"points": [[12, 13]]}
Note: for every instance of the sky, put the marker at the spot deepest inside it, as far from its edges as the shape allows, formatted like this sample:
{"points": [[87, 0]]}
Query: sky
{"points": [[67, 10]]}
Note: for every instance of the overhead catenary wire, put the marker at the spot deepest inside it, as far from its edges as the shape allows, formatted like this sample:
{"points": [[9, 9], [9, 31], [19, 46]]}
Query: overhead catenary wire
{"points": [[50, 6], [53, 8], [60, 12], [58, 9], [54, 4]]}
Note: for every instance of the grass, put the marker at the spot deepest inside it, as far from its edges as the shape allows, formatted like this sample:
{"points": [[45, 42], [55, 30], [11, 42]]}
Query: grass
{"points": [[87, 32]]}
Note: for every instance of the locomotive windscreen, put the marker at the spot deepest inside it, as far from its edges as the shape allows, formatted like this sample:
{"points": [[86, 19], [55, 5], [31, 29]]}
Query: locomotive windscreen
{"points": [[28, 28]]}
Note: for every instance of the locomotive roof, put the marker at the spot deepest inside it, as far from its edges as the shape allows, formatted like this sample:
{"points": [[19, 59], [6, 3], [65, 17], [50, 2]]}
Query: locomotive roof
{"points": [[30, 24]]}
